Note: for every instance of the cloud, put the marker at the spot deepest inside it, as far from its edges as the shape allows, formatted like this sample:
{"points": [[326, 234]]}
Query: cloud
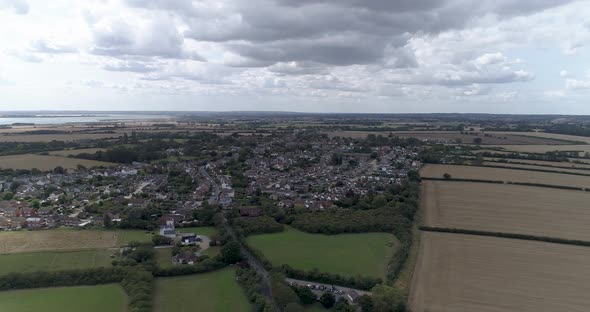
{"points": [[130, 66], [298, 68], [575, 84], [43, 46], [491, 58], [20, 7]]}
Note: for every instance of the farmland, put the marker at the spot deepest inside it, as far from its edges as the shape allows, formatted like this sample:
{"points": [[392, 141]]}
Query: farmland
{"points": [[507, 208], [571, 165], [536, 167], [365, 254], [56, 137], [507, 175], [209, 292], [547, 135], [101, 298], [72, 152], [473, 273], [54, 261], [43, 162], [56, 240], [540, 149]]}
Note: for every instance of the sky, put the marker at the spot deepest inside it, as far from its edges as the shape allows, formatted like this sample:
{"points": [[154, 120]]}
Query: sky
{"points": [[478, 56]]}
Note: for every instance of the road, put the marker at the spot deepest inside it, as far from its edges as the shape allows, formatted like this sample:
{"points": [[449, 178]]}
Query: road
{"points": [[215, 188], [343, 291]]}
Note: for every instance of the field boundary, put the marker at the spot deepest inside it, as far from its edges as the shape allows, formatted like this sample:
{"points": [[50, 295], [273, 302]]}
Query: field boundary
{"points": [[545, 239]]}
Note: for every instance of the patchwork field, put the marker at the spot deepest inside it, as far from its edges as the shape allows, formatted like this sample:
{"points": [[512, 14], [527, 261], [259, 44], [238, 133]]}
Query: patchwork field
{"points": [[507, 208], [216, 291], [571, 165], [44, 162], [500, 174], [56, 240], [101, 298], [491, 138], [540, 149], [458, 273], [365, 254], [535, 167], [54, 261], [547, 135], [70, 152]]}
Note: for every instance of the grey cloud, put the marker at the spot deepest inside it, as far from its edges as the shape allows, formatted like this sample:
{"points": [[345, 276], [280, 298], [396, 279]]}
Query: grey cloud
{"points": [[20, 7], [298, 68], [130, 66], [452, 78]]}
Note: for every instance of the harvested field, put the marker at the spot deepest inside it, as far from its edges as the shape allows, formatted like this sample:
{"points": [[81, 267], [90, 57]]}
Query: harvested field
{"points": [[56, 137], [506, 175], [70, 152], [55, 240], [507, 208], [535, 167], [468, 273], [541, 149], [44, 162], [543, 163]]}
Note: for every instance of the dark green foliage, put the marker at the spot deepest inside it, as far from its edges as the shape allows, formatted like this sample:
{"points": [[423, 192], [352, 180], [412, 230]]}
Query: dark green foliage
{"points": [[160, 240], [207, 265], [230, 253], [306, 296], [366, 303], [138, 285], [257, 225], [281, 292], [327, 300], [343, 306], [250, 282], [61, 278], [363, 283]]}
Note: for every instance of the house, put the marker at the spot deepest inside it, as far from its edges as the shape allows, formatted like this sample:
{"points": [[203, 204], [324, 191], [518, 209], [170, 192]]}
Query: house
{"points": [[352, 296], [188, 239], [186, 257], [167, 227], [250, 212], [35, 223]]}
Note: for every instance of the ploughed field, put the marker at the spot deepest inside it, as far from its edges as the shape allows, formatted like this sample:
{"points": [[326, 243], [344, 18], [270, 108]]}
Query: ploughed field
{"points": [[507, 208], [468, 273], [47, 162], [506, 175], [100, 298], [215, 291], [365, 254]]}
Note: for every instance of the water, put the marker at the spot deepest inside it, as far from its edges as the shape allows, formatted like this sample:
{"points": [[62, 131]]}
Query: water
{"points": [[49, 119]]}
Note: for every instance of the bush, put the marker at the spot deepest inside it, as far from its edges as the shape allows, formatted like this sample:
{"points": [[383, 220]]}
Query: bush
{"points": [[327, 300]]}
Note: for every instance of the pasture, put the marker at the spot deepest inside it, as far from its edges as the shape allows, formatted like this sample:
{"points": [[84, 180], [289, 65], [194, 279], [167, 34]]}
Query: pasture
{"points": [[99, 298], [44, 162], [507, 208], [215, 291], [61, 240], [457, 273], [365, 254], [506, 175], [54, 261]]}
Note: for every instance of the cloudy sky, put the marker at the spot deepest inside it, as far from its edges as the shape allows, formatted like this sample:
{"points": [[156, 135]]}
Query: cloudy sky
{"points": [[496, 56]]}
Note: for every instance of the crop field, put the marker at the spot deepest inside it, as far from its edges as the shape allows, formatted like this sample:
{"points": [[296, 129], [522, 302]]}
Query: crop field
{"points": [[365, 254], [536, 167], [100, 298], [500, 174], [458, 273], [543, 163], [541, 149], [547, 135], [56, 137], [491, 138], [507, 208], [61, 240], [215, 291], [73, 152], [54, 261], [43, 162]]}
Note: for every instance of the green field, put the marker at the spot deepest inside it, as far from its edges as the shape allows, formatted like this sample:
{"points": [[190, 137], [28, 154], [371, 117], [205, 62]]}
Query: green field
{"points": [[54, 261], [209, 292], [126, 236], [199, 230], [365, 254], [101, 298]]}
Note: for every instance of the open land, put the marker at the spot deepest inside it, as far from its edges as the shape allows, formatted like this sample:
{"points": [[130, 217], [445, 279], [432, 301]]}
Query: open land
{"points": [[546, 135], [488, 274], [541, 149], [540, 163], [56, 240], [365, 254], [73, 152], [43, 162], [101, 298], [507, 175], [536, 167], [208, 292], [56, 137], [507, 208], [54, 261]]}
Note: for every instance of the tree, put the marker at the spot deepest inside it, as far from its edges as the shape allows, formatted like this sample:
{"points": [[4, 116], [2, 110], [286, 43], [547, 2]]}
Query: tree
{"points": [[327, 300], [447, 176], [8, 196], [59, 170], [293, 307], [108, 223], [306, 296], [366, 303], [477, 141], [386, 297], [343, 306], [230, 253]]}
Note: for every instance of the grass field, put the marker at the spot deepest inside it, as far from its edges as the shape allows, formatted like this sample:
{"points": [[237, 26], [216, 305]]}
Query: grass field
{"points": [[501, 174], [61, 240], [365, 254], [69, 152], [101, 298], [209, 292], [199, 230], [54, 261], [507, 208], [457, 273], [44, 162]]}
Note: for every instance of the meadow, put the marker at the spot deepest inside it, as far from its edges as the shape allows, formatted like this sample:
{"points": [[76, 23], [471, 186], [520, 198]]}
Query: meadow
{"points": [[505, 174], [365, 254], [507, 208], [457, 273], [47, 162], [65, 239], [54, 261], [100, 298], [215, 291]]}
